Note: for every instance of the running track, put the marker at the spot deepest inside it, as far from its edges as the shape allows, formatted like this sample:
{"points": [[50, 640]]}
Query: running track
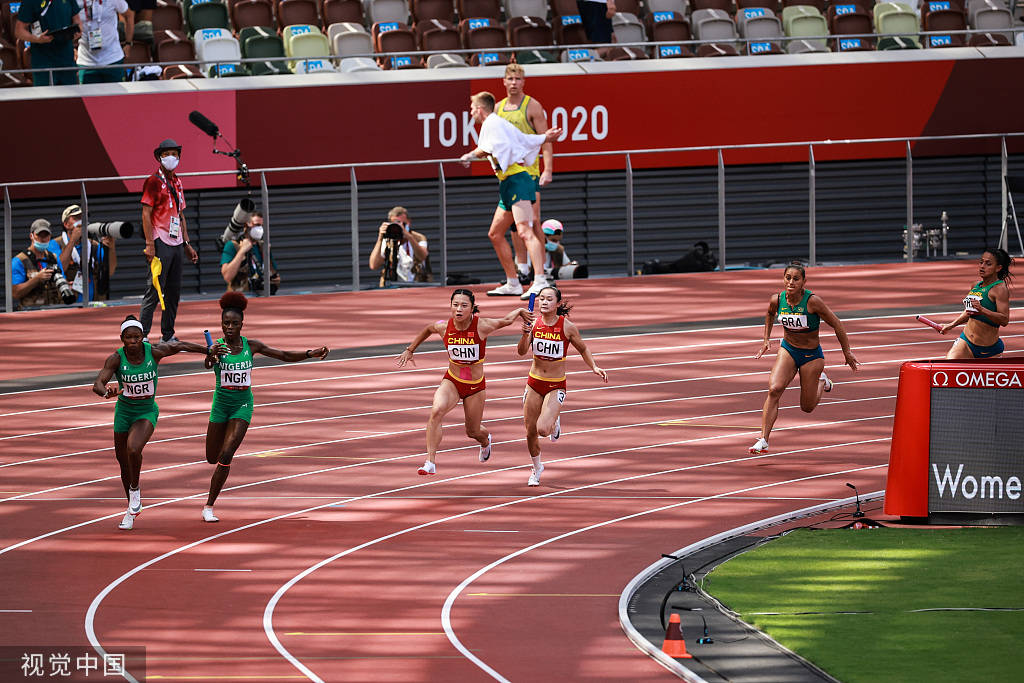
{"points": [[334, 561]]}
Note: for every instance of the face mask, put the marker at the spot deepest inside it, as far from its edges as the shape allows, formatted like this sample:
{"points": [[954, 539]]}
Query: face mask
{"points": [[170, 162], [41, 246], [256, 232], [551, 246]]}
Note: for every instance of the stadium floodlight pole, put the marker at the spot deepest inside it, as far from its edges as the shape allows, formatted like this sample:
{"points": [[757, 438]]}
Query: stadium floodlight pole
{"points": [[812, 207], [910, 205], [721, 207], [354, 193], [442, 187], [268, 269], [83, 266], [8, 273], [629, 217]]}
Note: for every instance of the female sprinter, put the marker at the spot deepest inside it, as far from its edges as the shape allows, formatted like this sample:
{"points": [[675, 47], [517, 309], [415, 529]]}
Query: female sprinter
{"points": [[799, 311], [136, 412], [980, 338], [465, 337], [232, 407], [545, 387]]}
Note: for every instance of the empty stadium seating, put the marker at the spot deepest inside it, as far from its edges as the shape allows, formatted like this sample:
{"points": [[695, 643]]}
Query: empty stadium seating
{"points": [[246, 13], [347, 38], [262, 42], [338, 11]]}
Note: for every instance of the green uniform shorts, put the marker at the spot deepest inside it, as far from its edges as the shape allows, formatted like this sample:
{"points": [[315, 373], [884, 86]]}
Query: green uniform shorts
{"points": [[128, 411], [516, 188], [231, 405]]}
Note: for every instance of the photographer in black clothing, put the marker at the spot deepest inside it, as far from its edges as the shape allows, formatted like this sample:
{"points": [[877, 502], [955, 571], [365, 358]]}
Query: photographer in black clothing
{"points": [[400, 252]]}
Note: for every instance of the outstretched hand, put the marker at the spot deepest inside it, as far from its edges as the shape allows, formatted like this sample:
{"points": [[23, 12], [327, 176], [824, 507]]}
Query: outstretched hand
{"points": [[763, 350], [601, 373], [851, 360], [403, 358], [320, 353]]}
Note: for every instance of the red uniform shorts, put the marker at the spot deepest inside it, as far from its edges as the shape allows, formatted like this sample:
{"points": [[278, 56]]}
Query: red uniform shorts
{"points": [[466, 388], [545, 386]]}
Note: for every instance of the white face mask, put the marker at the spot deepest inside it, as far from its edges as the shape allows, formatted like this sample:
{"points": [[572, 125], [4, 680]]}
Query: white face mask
{"points": [[256, 232], [170, 162]]}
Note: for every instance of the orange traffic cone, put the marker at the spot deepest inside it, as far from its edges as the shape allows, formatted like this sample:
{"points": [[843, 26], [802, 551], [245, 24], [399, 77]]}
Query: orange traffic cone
{"points": [[674, 645]]}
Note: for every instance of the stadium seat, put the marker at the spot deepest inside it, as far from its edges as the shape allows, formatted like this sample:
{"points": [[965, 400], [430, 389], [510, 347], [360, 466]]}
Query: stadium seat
{"points": [[137, 53], [178, 71], [207, 14], [14, 81], [627, 28], [297, 13], [624, 54], [471, 9], [8, 13], [304, 40], [489, 58], [529, 32], [951, 21], [681, 6], [339, 11], [764, 47], [672, 51], [629, 7], [799, 21], [759, 23], [536, 57], [772, 5], [897, 18], [665, 26], [717, 50], [246, 13], [897, 43], [799, 47], [844, 8], [579, 54], [526, 8], [437, 34], [264, 43], [394, 36], [722, 5], [568, 29], [713, 24], [445, 61], [215, 46], [348, 38], [314, 66], [356, 64], [227, 71], [425, 10], [173, 46], [852, 21], [816, 4], [926, 7], [561, 8], [482, 33], [377, 11], [991, 17], [9, 55], [166, 15]]}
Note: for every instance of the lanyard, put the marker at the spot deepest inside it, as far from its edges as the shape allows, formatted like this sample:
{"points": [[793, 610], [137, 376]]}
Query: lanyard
{"points": [[171, 189], [89, 4]]}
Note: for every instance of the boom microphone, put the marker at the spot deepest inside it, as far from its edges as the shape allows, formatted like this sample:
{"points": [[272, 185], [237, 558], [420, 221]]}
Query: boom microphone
{"points": [[204, 124]]}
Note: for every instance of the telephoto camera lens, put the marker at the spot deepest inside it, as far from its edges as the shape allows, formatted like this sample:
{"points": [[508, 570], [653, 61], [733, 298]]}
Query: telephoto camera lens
{"points": [[67, 294], [121, 230], [239, 219], [394, 231]]}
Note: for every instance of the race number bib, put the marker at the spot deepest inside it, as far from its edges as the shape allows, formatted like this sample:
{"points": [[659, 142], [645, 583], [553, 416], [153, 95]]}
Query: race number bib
{"points": [[972, 302], [138, 389], [793, 321], [464, 353], [174, 229], [548, 348], [235, 378]]}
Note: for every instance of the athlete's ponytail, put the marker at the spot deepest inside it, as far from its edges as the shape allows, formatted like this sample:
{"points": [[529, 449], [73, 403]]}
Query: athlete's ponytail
{"points": [[562, 308], [1004, 260], [472, 299]]}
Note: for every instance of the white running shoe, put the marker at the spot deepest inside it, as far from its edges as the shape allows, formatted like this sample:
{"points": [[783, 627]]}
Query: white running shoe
{"points": [[759, 447], [558, 429], [128, 522], [510, 288], [538, 284], [208, 515], [135, 501], [485, 451], [828, 383], [534, 479], [427, 468]]}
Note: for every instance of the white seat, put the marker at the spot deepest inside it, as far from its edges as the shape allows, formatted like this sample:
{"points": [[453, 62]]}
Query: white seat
{"points": [[759, 23], [713, 24], [354, 64], [799, 47], [216, 45], [526, 8], [445, 61], [628, 28], [348, 38], [681, 6], [313, 66]]}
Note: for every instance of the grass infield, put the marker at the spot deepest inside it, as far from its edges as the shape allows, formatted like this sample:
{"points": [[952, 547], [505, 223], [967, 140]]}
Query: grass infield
{"points": [[883, 576]]}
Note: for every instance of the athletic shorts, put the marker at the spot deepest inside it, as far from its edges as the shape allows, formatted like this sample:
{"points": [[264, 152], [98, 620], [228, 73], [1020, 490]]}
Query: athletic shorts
{"points": [[466, 388], [128, 411], [229, 404], [546, 386], [515, 188], [802, 356], [984, 351]]}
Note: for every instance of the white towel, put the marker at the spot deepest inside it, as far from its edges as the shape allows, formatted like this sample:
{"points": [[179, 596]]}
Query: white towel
{"points": [[507, 144]]}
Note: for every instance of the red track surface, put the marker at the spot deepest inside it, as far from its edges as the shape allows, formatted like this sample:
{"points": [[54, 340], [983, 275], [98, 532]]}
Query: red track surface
{"points": [[332, 549]]}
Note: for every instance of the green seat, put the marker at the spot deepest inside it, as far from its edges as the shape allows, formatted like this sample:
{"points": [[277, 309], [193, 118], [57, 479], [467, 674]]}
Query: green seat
{"points": [[263, 41], [207, 14], [304, 40], [536, 57], [897, 43], [804, 21]]}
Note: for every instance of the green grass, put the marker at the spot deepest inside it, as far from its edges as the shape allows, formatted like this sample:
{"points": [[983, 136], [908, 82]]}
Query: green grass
{"points": [[887, 572]]}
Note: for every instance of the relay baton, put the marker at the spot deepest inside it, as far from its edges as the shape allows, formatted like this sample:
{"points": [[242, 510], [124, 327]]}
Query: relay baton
{"points": [[533, 299], [209, 339], [930, 323]]}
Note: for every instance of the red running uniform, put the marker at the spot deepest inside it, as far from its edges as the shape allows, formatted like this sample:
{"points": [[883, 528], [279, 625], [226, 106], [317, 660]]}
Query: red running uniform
{"points": [[549, 342], [465, 347]]}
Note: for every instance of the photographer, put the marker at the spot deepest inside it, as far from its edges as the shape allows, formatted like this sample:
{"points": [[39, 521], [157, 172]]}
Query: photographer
{"points": [[400, 250], [557, 263], [102, 256], [37, 277], [241, 261]]}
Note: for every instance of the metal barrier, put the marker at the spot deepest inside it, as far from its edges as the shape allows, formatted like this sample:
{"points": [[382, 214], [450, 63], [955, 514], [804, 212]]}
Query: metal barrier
{"points": [[629, 264]]}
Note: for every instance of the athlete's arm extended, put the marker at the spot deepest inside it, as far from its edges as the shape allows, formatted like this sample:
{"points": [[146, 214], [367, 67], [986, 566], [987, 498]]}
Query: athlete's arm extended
{"points": [[576, 340], [406, 356], [99, 387], [164, 349], [488, 325], [523, 347], [816, 305], [956, 322], [769, 322], [256, 346]]}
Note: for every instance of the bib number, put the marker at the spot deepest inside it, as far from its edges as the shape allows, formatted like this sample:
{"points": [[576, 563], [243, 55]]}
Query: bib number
{"points": [[971, 303], [792, 321], [464, 353], [235, 378], [138, 389], [548, 348], [174, 229]]}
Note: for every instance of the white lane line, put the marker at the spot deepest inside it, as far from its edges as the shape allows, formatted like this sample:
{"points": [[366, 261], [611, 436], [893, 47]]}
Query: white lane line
{"points": [[446, 610], [222, 570], [491, 531], [15, 611], [268, 612]]}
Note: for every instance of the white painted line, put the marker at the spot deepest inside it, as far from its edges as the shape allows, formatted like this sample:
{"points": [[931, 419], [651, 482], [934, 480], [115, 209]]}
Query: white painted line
{"points": [[15, 611], [491, 531], [222, 570]]}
